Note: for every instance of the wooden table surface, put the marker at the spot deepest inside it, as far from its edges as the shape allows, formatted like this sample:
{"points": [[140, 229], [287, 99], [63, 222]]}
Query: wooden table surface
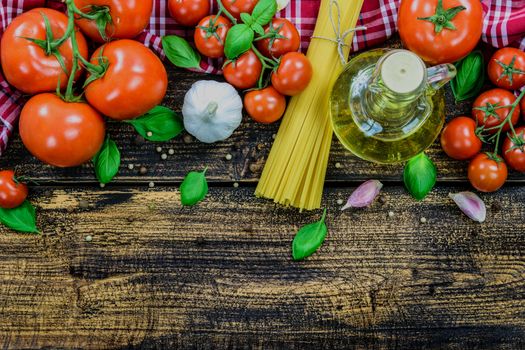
{"points": [[220, 275]]}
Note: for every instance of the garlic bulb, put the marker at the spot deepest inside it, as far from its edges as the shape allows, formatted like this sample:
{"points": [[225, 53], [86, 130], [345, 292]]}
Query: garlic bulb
{"points": [[212, 111], [282, 4]]}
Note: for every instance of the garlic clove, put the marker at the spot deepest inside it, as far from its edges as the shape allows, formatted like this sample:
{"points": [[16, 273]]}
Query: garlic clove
{"points": [[471, 205], [364, 195]]}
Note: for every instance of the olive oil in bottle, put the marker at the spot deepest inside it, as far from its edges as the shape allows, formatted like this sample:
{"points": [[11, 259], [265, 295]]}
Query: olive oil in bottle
{"points": [[386, 106]]}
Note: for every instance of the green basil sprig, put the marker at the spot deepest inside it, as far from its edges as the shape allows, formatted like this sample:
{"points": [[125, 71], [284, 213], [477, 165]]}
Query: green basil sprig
{"points": [[420, 176], [264, 11], [309, 239], [180, 53], [21, 218], [194, 188], [240, 37], [158, 125], [238, 40], [107, 161], [470, 76]]}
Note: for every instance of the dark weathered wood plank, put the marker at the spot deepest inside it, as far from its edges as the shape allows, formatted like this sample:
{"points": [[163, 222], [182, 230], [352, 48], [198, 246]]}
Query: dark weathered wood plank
{"points": [[220, 274], [249, 147]]}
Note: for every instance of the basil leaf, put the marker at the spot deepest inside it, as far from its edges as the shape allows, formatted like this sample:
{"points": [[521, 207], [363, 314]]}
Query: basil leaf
{"points": [[258, 29], [247, 18], [107, 161], [420, 176], [238, 40], [264, 11], [309, 239], [180, 53], [159, 125], [21, 218], [470, 76], [194, 188]]}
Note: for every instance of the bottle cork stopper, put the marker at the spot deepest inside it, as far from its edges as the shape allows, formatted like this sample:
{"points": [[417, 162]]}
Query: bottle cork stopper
{"points": [[403, 72]]}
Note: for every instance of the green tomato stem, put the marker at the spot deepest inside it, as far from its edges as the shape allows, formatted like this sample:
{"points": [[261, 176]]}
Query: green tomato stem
{"points": [[508, 119], [222, 10]]}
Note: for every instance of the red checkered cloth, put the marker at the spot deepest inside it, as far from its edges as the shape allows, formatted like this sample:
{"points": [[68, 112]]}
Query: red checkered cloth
{"points": [[504, 24]]}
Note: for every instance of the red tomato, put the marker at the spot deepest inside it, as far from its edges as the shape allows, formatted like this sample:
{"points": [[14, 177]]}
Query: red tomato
{"points": [[514, 150], [273, 47], [12, 193], [507, 68], [487, 174], [134, 83], [436, 43], [293, 75], [27, 66], [266, 105], [210, 35], [236, 7], [244, 72], [61, 133], [459, 139], [128, 18], [189, 12], [495, 116]]}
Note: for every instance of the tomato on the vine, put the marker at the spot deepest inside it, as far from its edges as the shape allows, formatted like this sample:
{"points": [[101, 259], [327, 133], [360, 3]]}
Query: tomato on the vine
{"points": [[285, 38], [487, 173], [522, 107], [266, 105], [244, 72], [236, 7], [507, 68], [293, 74], [29, 67], [12, 192], [440, 31], [189, 12], [63, 134], [210, 35], [134, 82], [488, 112], [459, 139], [514, 150], [121, 19]]}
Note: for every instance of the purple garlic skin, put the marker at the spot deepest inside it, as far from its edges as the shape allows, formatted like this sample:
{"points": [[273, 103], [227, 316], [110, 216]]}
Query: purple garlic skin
{"points": [[471, 205], [364, 195]]}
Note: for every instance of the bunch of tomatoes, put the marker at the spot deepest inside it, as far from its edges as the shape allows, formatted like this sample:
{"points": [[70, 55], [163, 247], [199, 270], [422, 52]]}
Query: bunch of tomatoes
{"points": [[44, 54], [494, 119], [271, 46]]}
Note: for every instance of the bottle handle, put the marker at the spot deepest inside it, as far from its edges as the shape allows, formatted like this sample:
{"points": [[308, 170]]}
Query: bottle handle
{"points": [[439, 75]]}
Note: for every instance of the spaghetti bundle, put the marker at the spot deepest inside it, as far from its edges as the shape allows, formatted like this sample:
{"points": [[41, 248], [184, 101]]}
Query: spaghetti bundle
{"points": [[296, 167]]}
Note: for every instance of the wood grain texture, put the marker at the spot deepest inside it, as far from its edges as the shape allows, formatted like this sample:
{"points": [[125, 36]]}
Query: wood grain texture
{"points": [[219, 275], [249, 146]]}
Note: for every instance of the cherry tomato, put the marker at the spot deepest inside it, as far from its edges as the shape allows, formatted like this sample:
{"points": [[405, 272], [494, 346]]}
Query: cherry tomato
{"points": [[459, 139], [134, 83], [128, 18], [189, 12], [487, 174], [436, 43], [27, 66], [266, 105], [244, 72], [61, 133], [236, 7], [210, 35], [12, 193], [514, 150], [273, 47], [507, 68], [293, 74], [489, 100]]}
